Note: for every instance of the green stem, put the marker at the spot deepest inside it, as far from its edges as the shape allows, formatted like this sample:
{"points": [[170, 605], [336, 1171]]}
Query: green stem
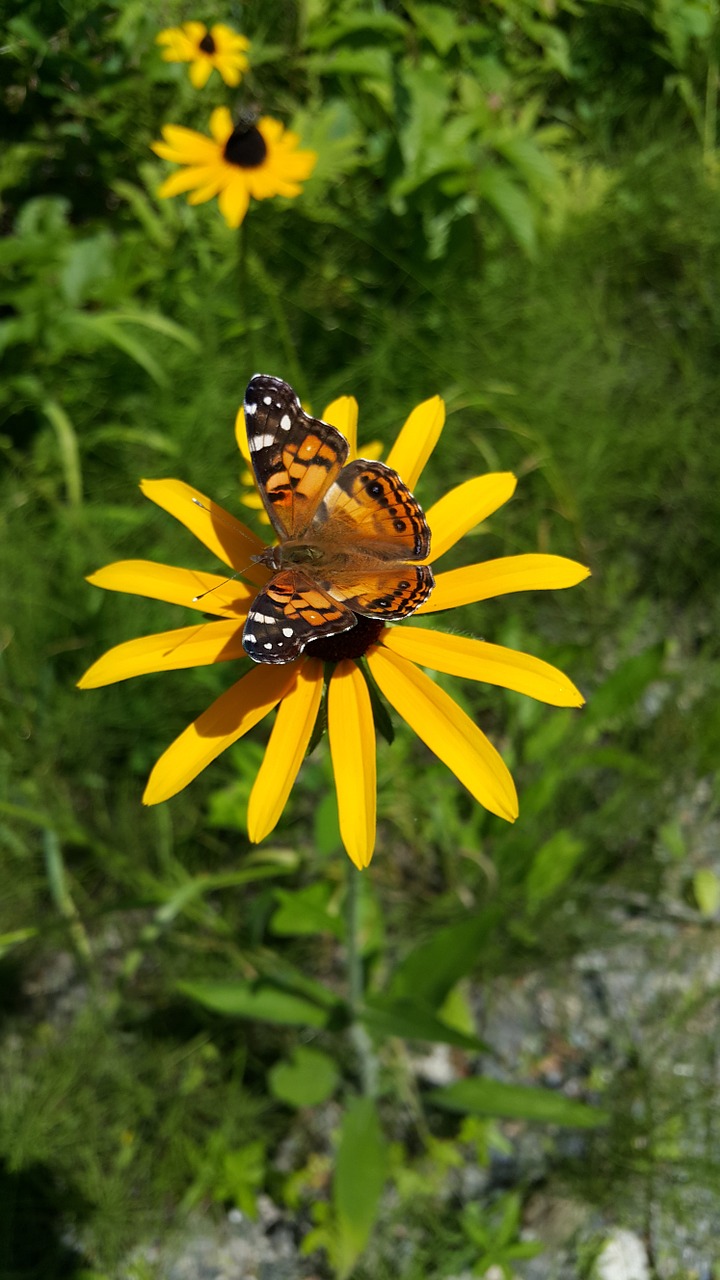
{"points": [[274, 299], [358, 1034]]}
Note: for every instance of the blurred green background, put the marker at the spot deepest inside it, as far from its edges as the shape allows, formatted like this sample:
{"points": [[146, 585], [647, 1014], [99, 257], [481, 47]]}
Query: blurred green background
{"points": [[516, 206]]}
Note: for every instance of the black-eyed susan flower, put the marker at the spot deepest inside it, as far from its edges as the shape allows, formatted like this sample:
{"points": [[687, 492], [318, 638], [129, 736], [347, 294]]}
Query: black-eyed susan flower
{"points": [[217, 48], [257, 159], [397, 656]]}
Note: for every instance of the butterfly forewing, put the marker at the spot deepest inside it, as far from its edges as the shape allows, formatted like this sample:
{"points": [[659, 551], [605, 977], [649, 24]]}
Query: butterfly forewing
{"points": [[370, 503], [295, 457]]}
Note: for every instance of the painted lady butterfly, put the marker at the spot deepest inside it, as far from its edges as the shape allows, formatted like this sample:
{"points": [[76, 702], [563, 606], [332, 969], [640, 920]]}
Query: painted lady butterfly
{"points": [[348, 534]]}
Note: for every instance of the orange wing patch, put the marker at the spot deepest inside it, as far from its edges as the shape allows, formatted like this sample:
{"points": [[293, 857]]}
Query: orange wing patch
{"points": [[381, 591], [370, 502], [291, 611], [295, 457]]}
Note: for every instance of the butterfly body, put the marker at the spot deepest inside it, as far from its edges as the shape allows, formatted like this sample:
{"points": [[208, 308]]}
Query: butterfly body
{"points": [[350, 534]]}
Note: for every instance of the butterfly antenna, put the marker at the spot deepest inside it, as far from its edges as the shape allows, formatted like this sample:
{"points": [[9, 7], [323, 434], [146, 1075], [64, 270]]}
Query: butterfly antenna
{"points": [[217, 515], [218, 585]]}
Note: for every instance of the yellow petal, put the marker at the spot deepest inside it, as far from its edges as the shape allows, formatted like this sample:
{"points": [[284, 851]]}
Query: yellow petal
{"points": [[464, 507], [417, 440], [343, 415], [196, 646], [352, 747], [228, 598], [200, 72], [285, 751], [234, 200], [447, 730], [183, 180], [229, 717], [241, 436], [477, 660], [502, 577], [228, 539], [190, 147], [221, 125]]}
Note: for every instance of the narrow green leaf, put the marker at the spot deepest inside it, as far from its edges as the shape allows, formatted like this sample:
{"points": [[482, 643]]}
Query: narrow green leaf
{"points": [[360, 1172], [553, 864], [68, 449], [430, 971], [413, 1021], [238, 999], [482, 1096]]}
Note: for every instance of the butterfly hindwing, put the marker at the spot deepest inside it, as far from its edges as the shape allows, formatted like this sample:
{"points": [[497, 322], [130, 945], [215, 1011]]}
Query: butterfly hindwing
{"points": [[289, 612], [389, 592], [370, 503], [295, 457]]}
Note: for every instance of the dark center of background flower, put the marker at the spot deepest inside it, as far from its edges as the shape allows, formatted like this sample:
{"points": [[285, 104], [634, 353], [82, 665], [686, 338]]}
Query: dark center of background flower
{"points": [[245, 147], [207, 44], [348, 644]]}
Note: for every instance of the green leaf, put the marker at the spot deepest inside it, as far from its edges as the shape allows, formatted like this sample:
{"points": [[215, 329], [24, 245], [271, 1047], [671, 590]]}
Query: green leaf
{"points": [[432, 969], [706, 887], [438, 24], [482, 1096], [511, 204], [68, 449], [238, 999], [626, 684], [413, 1021], [305, 912], [360, 1172], [309, 1079], [553, 864]]}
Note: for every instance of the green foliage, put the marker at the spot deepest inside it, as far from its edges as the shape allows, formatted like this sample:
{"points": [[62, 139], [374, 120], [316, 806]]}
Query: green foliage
{"points": [[516, 207]]}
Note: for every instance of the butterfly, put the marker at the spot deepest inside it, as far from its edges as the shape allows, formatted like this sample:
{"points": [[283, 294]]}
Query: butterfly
{"points": [[349, 533]]}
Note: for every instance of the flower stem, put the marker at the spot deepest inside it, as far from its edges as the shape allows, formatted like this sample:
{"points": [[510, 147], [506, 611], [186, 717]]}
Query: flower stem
{"points": [[274, 301], [361, 1040]]}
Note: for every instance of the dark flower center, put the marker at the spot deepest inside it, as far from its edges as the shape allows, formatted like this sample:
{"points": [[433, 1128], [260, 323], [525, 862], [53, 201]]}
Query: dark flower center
{"points": [[245, 147], [348, 644], [207, 44]]}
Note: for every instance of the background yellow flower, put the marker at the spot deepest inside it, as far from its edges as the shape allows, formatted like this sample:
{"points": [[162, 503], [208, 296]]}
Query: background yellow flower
{"points": [[216, 48]]}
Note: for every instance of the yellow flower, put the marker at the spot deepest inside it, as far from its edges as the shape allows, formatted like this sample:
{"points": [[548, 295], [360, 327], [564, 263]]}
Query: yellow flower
{"points": [[219, 47], [396, 655], [258, 159]]}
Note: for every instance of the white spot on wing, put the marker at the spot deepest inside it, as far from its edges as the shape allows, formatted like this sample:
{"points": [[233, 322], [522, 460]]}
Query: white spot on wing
{"points": [[267, 399], [249, 639], [285, 422], [250, 409], [260, 442], [287, 631], [268, 644]]}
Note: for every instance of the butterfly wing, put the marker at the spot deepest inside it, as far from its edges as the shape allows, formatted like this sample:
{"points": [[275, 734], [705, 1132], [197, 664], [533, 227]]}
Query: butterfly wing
{"points": [[295, 457], [290, 611], [380, 590], [368, 503]]}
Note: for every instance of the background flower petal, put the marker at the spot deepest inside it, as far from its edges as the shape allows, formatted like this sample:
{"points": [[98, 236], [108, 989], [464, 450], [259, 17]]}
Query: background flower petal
{"points": [[285, 750], [352, 747], [200, 72], [502, 577], [466, 506], [343, 414], [478, 660], [229, 717], [416, 440], [195, 646], [447, 731], [229, 598], [228, 539]]}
